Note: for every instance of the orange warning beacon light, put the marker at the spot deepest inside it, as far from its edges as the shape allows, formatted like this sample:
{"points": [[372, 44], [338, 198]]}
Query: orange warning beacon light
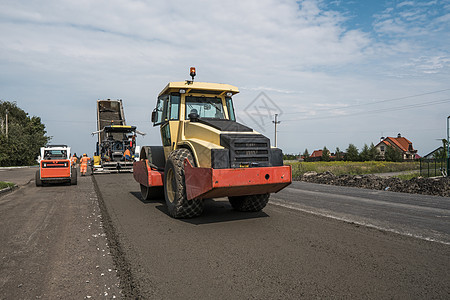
{"points": [[192, 73]]}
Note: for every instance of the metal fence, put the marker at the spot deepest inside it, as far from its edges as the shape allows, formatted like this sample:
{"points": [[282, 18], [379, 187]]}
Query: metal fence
{"points": [[433, 167]]}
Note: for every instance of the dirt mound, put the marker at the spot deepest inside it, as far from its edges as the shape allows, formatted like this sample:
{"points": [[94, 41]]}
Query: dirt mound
{"points": [[418, 185]]}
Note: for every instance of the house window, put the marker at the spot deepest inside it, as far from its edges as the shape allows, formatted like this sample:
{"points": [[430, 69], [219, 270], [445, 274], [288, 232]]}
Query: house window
{"points": [[382, 148]]}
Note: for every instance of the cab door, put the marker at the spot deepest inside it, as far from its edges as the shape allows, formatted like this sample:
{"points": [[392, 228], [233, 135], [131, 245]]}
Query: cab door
{"points": [[167, 115]]}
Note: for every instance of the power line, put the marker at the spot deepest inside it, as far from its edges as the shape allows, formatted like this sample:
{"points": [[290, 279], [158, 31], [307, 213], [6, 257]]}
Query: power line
{"points": [[442, 101], [313, 132], [375, 102], [67, 121], [82, 122]]}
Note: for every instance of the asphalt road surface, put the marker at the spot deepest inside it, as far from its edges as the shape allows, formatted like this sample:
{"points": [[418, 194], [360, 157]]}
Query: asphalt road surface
{"points": [[421, 216], [280, 253], [311, 241], [53, 245]]}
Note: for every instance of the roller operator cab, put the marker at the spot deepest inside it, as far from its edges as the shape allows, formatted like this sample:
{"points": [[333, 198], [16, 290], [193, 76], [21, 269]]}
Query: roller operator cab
{"points": [[206, 153], [55, 166]]}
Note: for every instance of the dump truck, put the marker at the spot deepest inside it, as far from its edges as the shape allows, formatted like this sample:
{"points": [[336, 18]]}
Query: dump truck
{"points": [[206, 153], [55, 166], [114, 137]]}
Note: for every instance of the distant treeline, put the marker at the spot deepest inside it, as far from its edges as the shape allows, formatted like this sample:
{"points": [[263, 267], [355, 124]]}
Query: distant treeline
{"points": [[368, 153], [21, 138]]}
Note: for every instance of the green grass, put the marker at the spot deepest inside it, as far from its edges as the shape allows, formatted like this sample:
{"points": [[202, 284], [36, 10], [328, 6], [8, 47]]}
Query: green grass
{"points": [[350, 168], [6, 184], [408, 176]]}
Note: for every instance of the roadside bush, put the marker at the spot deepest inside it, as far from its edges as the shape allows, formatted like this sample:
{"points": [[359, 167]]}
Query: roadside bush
{"points": [[5, 185]]}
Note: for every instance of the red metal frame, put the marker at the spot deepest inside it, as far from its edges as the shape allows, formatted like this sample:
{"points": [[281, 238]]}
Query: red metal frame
{"points": [[213, 183]]}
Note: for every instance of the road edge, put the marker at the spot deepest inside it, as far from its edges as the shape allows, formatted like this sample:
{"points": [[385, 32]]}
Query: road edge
{"points": [[8, 189], [130, 288]]}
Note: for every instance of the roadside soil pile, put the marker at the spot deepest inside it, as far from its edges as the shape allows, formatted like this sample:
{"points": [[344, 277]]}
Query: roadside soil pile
{"points": [[419, 185]]}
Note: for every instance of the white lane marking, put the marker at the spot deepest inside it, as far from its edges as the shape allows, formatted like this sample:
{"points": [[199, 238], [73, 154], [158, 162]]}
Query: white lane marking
{"points": [[281, 203], [371, 201]]}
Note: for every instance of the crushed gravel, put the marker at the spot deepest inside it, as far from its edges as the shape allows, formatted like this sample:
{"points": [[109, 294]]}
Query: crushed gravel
{"points": [[419, 185]]}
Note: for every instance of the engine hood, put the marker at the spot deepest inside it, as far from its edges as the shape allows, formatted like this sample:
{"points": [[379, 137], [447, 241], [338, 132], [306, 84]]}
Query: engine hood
{"points": [[225, 125]]}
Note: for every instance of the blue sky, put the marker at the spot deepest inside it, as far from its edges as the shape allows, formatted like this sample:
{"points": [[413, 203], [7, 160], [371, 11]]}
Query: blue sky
{"points": [[336, 72]]}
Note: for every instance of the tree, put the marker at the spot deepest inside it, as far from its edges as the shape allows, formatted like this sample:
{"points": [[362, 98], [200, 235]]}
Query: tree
{"points": [[369, 153], [338, 154], [305, 155], [289, 157], [25, 136], [393, 154], [364, 155], [325, 154], [352, 153], [373, 153]]}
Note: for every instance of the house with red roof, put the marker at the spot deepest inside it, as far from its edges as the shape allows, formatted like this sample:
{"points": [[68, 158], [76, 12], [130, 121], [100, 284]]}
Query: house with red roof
{"points": [[316, 155], [399, 143]]}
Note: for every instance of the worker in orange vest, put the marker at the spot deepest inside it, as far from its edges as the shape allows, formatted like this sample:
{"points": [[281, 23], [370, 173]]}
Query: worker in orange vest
{"points": [[127, 154], [84, 163], [73, 160]]}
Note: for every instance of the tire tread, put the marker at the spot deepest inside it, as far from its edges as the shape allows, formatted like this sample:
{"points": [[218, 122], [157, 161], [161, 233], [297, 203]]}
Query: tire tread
{"points": [[250, 203], [181, 207]]}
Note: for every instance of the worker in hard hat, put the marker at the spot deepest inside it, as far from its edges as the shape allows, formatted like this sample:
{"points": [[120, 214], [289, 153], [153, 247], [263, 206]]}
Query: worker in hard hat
{"points": [[73, 160], [84, 163]]}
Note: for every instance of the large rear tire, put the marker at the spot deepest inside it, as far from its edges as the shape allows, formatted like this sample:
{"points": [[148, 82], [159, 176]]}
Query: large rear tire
{"points": [[38, 178], [73, 177], [249, 203], [175, 187]]}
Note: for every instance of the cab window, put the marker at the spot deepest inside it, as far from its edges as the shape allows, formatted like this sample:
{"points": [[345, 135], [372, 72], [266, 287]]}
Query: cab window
{"points": [[174, 106], [161, 110], [205, 107], [230, 108], [55, 154]]}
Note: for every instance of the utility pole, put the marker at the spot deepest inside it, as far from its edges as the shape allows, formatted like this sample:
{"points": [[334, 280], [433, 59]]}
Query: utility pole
{"points": [[6, 117], [276, 122], [448, 147]]}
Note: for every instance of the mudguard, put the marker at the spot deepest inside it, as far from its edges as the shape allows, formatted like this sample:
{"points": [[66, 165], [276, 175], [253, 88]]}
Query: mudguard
{"points": [[145, 175]]}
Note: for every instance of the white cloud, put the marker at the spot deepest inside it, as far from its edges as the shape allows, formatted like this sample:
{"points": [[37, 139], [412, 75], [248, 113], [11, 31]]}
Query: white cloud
{"points": [[67, 54], [405, 3]]}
